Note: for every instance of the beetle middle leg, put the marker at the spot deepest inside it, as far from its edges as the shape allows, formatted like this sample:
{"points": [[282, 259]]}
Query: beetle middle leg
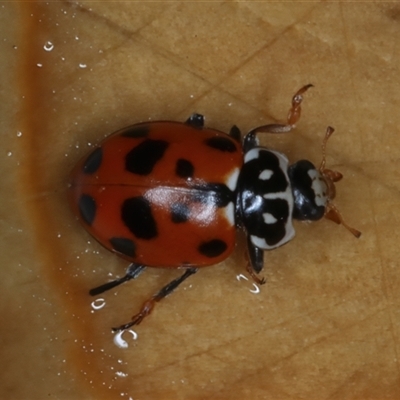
{"points": [[149, 304]]}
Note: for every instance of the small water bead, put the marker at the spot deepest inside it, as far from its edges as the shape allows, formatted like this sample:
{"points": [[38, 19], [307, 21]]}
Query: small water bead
{"points": [[48, 46]]}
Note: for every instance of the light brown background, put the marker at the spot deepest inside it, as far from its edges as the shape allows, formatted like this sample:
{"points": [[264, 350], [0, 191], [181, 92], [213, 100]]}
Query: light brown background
{"points": [[326, 325]]}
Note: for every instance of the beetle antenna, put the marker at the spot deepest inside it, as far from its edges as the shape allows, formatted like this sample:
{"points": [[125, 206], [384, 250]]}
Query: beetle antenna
{"points": [[328, 134], [333, 214]]}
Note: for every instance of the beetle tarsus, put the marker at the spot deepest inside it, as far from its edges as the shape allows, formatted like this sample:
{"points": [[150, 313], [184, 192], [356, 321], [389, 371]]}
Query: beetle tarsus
{"points": [[257, 279]]}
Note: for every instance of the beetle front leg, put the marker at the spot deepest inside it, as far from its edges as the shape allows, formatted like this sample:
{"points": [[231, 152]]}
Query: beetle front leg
{"points": [[255, 262]]}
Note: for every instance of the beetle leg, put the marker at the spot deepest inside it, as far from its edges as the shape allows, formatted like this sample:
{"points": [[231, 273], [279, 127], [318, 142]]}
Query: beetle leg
{"points": [[250, 140], [235, 133], [132, 272], [196, 121], [292, 118], [255, 277], [295, 110], [255, 263], [333, 214], [149, 304]]}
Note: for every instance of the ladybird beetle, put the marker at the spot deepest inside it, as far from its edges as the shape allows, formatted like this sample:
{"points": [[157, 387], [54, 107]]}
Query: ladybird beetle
{"points": [[171, 194]]}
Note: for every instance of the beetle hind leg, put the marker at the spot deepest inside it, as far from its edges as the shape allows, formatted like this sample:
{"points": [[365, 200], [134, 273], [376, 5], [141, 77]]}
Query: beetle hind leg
{"points": [[149, 304], [235, 133], [132, 272]]}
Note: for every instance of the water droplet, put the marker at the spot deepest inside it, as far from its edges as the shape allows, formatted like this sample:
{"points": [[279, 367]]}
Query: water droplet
{"points": [[256, 288], [82, 65], [121, 374], [39, 65], [48, 46], [98, 304], [19, 134], [121, 343], [241, 276], [9, 154]]}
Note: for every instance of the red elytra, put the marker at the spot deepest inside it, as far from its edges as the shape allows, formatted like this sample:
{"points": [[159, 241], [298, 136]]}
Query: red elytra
{"points": [[113, 189]]}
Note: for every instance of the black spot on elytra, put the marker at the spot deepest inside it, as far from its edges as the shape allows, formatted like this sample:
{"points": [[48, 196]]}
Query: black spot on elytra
{"points": [[213, 193], [184, 168], [179, 213], [137, 216], [87, 208], [93, 161], [123, 245], [212, 248], [142, 158], [221, 143], [136, 131]]}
